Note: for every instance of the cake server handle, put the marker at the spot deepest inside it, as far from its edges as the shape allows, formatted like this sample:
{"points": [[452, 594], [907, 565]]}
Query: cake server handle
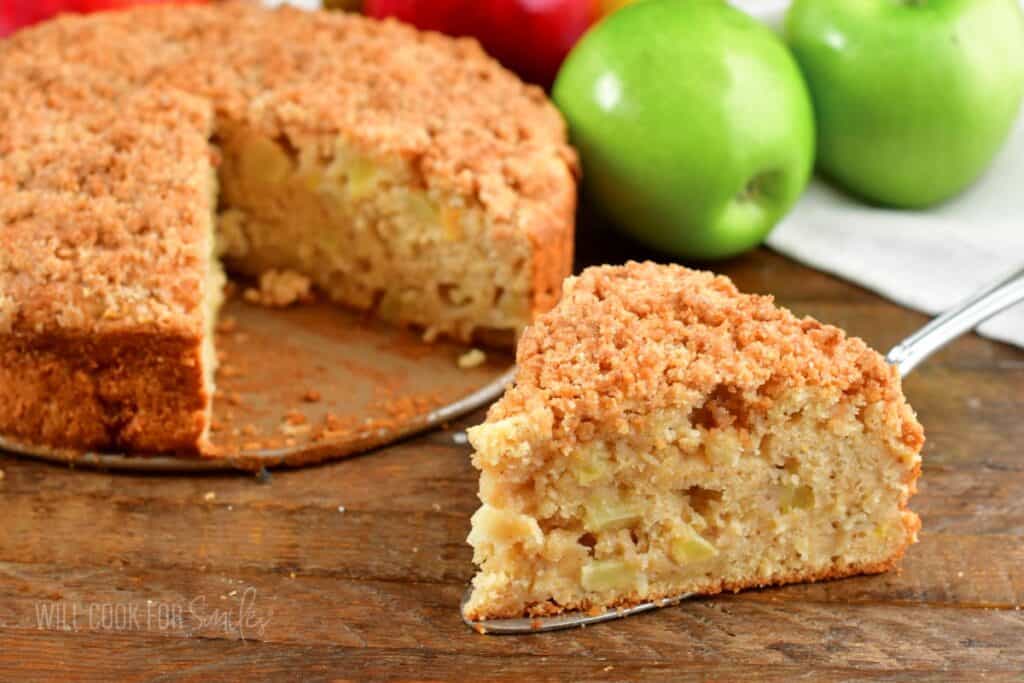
{"points": [[979, 307]]}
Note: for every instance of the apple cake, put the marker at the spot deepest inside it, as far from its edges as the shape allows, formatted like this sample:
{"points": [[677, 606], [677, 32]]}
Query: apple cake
{"points": [[667, 435], [403, 173]]}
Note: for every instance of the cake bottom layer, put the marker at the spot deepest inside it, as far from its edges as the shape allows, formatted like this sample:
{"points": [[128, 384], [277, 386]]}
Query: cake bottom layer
{"points": [[127, 392]]}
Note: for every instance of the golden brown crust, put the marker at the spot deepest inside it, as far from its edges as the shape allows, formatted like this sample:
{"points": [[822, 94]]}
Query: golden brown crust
{"points": [[120, 392], [654, 335], [468, 125]]}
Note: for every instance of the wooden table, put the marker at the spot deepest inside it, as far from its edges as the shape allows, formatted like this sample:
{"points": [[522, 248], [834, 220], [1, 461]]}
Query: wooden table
{"points": [[355, 569]]}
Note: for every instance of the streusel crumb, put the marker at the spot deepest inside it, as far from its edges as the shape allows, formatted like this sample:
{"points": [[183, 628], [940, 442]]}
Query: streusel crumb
{"points": [[280, 289]]}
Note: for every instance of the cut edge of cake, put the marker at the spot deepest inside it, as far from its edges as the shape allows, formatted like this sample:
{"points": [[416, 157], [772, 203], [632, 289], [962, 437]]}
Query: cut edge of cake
{"points": [[668, 435]]}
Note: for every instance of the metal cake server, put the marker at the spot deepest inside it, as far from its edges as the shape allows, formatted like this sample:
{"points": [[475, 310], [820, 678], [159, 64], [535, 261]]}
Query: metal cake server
{"points": [[905, 356], [959, 320]]}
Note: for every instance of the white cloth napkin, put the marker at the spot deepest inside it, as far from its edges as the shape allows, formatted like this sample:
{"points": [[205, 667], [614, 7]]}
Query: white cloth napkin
{"points": [[926, 260]]}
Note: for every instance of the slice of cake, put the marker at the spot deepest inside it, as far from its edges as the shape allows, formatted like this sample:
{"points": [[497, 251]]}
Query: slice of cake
{"points": [[669, 435], [108, 283]]}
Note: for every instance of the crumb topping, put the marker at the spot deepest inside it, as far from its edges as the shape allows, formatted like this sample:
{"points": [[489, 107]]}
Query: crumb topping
{"points": [[467, 123], [280, 289], [105, 212], [643, 336]]}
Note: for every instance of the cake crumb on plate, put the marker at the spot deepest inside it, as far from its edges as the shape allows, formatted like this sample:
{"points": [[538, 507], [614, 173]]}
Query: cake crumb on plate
{"points": [[280, 289], [473, 358]]}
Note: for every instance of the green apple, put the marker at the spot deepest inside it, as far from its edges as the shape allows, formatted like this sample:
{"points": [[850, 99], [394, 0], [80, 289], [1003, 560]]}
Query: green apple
{"points": [[693, 123], [913, 98]]}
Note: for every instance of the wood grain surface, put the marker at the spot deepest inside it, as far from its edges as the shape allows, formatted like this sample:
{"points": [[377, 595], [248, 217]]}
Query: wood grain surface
{"points": [[354, 570]]}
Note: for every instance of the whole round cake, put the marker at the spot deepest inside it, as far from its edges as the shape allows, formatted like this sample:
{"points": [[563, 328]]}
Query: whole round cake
{"points": [[403, 173]]}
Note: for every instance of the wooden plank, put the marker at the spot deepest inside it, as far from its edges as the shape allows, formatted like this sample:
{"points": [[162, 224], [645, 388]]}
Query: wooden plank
{"points": [[389, 545], [416, 476], [966, 498], [721, 638], [970, 417], [976, 500], [973, 494], [304, 606]]}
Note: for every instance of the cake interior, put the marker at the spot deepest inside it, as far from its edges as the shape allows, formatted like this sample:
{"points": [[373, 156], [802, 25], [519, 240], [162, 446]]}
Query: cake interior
{"points": [[371, 235], [720, 496]]}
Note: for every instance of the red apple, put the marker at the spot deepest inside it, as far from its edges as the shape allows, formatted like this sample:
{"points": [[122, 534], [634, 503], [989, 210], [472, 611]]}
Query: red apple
{"points": [[15, 14], [100, 5], [531, 37]]}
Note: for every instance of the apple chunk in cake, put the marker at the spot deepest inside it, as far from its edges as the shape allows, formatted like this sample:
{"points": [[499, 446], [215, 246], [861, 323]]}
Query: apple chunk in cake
{"points": [[667, 435]]}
